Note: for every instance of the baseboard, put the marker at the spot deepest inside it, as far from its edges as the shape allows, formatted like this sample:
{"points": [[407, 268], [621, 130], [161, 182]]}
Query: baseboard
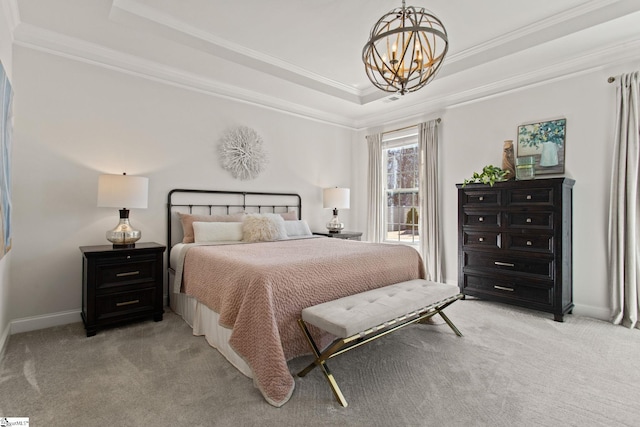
{"points": [[34, 323], [591, 311]]}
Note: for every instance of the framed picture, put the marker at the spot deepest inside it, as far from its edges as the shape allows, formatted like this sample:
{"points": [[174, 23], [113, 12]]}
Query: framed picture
{"points": [[6, 97], [545, 142]]}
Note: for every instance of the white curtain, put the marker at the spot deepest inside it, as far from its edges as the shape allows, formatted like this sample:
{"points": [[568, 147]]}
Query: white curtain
{"points": [[624, 225], [375, 190], [429, 219]]}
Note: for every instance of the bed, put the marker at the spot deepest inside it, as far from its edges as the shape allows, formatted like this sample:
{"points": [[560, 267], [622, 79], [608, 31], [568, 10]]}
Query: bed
{"points": [[246, 298]]}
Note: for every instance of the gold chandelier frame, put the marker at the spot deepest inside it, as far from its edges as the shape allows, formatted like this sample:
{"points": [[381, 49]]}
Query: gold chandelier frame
{"points": [[405, 49]]}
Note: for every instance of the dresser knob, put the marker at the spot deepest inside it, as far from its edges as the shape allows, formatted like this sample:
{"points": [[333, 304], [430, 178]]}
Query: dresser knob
{"points": [[528, 196], [529, 243], [481, 198], [481, 219], [480, 239], [529, 220]]}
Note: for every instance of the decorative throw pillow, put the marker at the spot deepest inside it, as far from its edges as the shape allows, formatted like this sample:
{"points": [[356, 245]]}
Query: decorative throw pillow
{"points": [[263, 228], [187, 221], [211, 232], [290, 216], [297, 228]]}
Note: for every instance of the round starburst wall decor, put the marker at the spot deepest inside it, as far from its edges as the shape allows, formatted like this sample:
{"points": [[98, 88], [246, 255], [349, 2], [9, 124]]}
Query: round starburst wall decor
{"points": [[242, 153]]}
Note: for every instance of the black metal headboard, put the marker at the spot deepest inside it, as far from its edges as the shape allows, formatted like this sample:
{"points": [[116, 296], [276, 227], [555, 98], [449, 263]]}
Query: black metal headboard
{"points": [[216, 202]]}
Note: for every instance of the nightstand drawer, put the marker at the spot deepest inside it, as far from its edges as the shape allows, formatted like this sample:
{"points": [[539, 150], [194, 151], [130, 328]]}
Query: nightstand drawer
{"points": [[121, 303], [127, 273]]}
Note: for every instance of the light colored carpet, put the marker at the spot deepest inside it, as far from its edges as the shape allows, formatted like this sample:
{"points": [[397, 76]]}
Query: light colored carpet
{"points": [[513, 367]]}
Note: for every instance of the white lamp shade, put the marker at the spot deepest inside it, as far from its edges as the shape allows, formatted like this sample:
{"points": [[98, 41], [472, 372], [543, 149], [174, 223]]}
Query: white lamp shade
{"points": [[335, 198], [123, 191]]}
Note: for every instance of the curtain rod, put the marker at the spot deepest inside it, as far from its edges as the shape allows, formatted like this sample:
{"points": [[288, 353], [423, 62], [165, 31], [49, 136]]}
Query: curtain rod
{"points": [[438, 120]]}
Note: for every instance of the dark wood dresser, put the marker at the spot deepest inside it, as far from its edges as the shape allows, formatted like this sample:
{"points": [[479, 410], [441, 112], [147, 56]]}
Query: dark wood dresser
{"points": [[514, 243], [121, 284]]}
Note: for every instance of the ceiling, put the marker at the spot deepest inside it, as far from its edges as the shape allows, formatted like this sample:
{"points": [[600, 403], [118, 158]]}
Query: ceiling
{"points": [[304, 57]]}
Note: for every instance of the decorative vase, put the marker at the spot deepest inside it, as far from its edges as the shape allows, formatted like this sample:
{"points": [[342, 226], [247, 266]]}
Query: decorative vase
{"points": [[549, 156], [508, 160]]}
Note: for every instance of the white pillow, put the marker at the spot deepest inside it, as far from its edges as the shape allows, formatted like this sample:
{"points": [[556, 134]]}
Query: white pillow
{"points": [[297, 228], [263, 228], [210, 232]]}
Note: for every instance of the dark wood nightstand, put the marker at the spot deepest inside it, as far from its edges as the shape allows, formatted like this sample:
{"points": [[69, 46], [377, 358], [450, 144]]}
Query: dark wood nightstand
{"points": [[346, 235], [121, 284]]}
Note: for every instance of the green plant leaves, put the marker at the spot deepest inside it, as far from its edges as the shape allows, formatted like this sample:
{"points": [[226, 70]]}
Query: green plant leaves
{"points": [[490, 175]]}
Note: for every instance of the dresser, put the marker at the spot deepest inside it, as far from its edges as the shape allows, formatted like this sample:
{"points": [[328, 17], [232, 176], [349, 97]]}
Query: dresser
{"points": [[121, 284], [514, 243]]}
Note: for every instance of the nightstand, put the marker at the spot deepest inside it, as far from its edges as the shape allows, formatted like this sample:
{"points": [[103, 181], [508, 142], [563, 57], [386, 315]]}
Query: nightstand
{"points": [[121, 284], [346, 235]]}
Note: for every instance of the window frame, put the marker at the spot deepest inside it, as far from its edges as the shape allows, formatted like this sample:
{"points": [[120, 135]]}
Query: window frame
{"points": [[393, 140]]}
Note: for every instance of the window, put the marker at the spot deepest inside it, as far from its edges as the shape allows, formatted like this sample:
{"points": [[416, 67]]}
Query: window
{"points": [[401, 158]]}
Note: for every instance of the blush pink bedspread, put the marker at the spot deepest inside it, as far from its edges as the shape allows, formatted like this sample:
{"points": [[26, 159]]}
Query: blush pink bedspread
{"points": [[260, 289]]}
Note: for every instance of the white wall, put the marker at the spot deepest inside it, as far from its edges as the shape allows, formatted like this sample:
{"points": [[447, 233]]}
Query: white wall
{"points": [[75, 121], [5, 262], [473, 134]]}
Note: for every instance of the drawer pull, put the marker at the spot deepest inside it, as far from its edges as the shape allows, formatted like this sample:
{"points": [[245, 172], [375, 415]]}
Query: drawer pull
{"points": [[529, 220], [129, 273], [481, 219], [480, 239], [481, 198], [528, 196], [529, 243], [502, 288], [120, 304], [504, 264]]}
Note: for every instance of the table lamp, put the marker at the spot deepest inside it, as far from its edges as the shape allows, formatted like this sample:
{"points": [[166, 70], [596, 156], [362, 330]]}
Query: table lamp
{"points": [[335, 198], [124, 192]]}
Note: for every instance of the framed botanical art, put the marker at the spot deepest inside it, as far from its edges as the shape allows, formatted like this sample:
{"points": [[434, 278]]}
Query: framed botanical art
{"points": [[544, 141]]}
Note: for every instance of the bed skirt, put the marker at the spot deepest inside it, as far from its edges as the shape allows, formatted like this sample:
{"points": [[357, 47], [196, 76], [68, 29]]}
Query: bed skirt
{"points": [[204, 322]]}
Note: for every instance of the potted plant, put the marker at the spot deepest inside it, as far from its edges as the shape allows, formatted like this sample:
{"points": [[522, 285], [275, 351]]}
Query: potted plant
{"points": [[490, 175]]}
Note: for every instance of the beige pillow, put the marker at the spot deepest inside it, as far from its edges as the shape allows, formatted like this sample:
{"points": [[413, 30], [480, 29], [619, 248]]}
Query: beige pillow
{"points": [[187, 221], [212, 232], [263, 228]]}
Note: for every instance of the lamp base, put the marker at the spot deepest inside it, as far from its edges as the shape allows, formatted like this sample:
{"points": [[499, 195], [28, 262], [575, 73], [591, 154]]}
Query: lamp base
{"points": [[123, 235], [334, 225]]}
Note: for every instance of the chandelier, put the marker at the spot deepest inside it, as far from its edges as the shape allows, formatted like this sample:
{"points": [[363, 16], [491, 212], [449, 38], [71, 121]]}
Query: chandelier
{"points": [[405, 50]]}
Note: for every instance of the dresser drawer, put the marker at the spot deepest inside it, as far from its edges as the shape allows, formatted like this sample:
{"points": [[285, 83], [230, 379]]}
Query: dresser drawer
{"points": [[509, 289], [537, 220], [482, 219], [530, 196], [481, 239], [123, 303], [535, 268], [529, 242], [481, 198], [111, 273]]}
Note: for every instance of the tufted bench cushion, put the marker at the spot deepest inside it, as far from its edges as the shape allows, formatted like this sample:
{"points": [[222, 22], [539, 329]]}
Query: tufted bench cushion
{"points": [[352, 314]]}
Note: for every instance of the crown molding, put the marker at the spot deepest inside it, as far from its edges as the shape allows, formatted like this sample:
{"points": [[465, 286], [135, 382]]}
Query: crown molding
{"points": [[195, 37], [53, 43], [618, 53], [12, 14]]}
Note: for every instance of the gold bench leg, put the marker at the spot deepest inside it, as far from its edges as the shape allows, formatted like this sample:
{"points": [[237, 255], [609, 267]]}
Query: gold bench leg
{"points": [[450, 323], [320, 362]]}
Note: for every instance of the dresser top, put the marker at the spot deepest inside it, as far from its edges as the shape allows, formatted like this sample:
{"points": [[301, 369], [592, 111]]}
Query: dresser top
{"points": [[525, 183]]}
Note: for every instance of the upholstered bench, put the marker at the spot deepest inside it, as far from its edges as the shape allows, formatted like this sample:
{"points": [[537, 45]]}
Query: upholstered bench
{"points": [[358, 319]]}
